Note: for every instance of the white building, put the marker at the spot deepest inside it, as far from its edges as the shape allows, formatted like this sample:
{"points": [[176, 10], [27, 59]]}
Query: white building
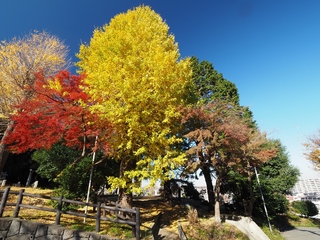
{"points": [[305, 186], [307, 189]]}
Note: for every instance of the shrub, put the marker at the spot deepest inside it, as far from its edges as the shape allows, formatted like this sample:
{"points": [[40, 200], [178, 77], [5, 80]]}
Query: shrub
{"points": [[305, 208]]}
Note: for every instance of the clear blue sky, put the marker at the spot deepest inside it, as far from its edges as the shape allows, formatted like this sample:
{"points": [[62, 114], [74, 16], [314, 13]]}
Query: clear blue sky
{"points": [[269, 48]]}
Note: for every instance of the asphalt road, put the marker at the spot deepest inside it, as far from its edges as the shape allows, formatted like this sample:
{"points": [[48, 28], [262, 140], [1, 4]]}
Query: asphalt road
{"points": [[302, 233]]}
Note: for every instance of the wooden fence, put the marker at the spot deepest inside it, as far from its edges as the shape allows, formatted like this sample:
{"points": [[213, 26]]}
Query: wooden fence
{"points": [[119, 213]]}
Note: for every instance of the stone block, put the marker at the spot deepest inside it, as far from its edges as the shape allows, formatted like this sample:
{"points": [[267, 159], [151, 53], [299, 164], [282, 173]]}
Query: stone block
{"points": [[17, 229], [27, 227], [55, 230], [5, 224], [42, 230], [14, 228], [19, 237], [67, 234], [82, 235]]}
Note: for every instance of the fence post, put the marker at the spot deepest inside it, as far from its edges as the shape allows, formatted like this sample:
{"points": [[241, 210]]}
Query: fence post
{"points": [[19, 201], [4, 200], [58, 216], [134, 219], [136, 228], [98, 217], [116, 212], [104, 209]]}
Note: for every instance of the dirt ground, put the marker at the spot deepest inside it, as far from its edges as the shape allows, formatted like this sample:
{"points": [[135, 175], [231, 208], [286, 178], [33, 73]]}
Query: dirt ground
{"points": [[150, 207]]}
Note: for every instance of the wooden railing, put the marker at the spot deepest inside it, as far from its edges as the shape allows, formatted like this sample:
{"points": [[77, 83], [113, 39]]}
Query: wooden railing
{"points": [[119, 213]]}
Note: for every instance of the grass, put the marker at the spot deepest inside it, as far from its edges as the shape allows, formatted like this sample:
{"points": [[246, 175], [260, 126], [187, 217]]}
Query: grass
{"points": [[69, 221], [274, 235], [292, 220], [196, 224], [206, 229]]}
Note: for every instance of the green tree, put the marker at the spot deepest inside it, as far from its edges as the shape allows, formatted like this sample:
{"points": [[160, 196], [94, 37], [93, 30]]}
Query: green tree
{"points": [[57, 165], [137, 81], [257, 151], [216, 142], [210, 85], [277, 177], [305, 208]]}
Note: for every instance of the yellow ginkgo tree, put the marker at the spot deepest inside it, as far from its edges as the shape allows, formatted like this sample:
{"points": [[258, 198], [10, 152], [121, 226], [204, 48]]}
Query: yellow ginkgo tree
{"points": [[20, 59], [137, 80]]}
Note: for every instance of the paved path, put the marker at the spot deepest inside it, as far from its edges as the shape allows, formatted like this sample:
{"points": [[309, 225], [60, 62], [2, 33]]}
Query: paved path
{"points": [[302, 233]]}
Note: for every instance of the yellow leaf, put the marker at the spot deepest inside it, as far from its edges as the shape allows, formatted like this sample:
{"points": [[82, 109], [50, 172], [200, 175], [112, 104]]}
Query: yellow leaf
{"points": [[136, 77]]}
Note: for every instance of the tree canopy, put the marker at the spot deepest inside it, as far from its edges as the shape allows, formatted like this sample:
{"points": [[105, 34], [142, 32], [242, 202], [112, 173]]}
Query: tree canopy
{"points": [[222, 140], [20, 58], [312, 153], [277, 176], [210, 85], [53, 113], [137, 80]]}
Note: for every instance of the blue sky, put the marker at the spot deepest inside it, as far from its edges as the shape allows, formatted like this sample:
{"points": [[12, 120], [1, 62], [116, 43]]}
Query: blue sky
{"points": [[269, 48]]}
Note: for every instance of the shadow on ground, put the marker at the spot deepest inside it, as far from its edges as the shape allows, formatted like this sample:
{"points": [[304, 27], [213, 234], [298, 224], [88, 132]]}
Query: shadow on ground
{"points": [[150, 207]]}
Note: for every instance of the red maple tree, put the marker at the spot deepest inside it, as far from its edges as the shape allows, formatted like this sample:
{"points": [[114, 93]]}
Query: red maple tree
{"points": [[57, 111], [221, 139]]}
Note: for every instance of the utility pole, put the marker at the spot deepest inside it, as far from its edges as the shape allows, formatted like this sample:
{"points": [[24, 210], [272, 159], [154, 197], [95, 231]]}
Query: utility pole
{"points": [[90, 179], [264, 204]]}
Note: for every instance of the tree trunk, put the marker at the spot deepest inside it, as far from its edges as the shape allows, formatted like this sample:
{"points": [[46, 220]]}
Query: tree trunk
{"points": [[3, 152], [252, 198], [248, 204], [167, 192], [208, 179], [125, 198], [217, 200]]}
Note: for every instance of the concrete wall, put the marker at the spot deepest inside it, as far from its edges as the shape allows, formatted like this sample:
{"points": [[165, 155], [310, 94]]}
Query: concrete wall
{"points": [[17, 229], [248, 227]]}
